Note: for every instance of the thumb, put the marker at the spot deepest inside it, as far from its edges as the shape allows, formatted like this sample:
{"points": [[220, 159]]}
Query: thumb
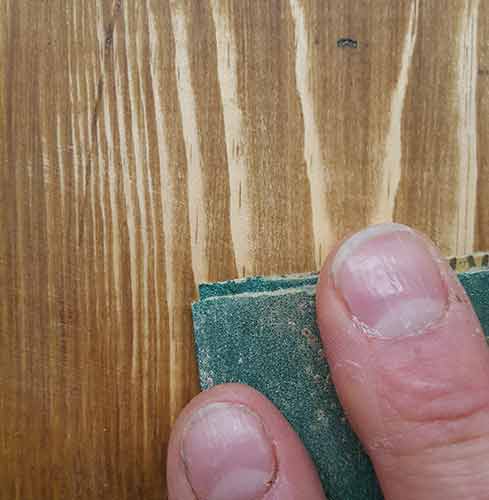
{"points": [[231, 443], [410, 363]]}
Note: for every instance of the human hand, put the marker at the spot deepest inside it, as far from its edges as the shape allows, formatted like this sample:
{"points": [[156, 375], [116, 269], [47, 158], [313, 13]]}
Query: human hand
{"points": [[411, 367]]}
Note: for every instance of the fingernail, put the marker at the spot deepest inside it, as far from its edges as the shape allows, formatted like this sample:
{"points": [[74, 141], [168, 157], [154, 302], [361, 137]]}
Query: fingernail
{"points": [[228, 454], [390, 280]]}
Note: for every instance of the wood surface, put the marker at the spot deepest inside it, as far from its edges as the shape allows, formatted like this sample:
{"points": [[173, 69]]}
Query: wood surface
{"points": [[148, 145]]}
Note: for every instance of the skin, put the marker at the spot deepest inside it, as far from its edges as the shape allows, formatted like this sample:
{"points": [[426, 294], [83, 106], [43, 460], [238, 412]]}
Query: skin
{"points": [[419, 401]]}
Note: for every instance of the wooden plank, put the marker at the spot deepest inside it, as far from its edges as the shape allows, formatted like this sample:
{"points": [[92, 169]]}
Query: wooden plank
{"points": [[149, 145]]}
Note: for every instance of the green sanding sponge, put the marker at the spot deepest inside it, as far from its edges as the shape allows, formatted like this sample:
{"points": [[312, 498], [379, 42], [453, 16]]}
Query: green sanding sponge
{"points": [[262, 332]]}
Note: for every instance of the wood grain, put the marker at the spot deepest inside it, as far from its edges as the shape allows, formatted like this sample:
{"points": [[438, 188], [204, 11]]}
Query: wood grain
{"points": [[147, 146]]}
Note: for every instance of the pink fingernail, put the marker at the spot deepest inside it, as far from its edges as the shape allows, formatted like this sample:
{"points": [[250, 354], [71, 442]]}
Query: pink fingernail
{"points": [[228, 454], [390, 280]]}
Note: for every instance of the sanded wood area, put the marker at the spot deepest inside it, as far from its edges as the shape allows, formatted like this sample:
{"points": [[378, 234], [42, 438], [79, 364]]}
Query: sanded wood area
{"points": [[148, 145]]}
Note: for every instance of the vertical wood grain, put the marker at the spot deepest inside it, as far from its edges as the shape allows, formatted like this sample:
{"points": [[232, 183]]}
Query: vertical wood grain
{"points": [[433, 182], [236, 137], [482, 107], [391, 163], [317, 168], [354, 94], [281, 229], [203, 131], [147, 146], [467, 127]]}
